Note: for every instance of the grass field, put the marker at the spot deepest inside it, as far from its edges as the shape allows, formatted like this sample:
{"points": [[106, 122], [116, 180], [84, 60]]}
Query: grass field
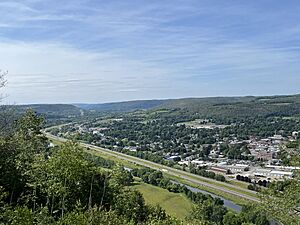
{"points": [[175, 204]]}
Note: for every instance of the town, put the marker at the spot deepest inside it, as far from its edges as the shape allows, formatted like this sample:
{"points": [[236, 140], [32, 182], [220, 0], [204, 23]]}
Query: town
{"points": [[199, 144]]}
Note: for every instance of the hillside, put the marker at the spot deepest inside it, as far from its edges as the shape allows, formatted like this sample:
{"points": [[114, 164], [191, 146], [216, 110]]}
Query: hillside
{"points": [[51, 110], [123, 106], [239, 107], [212, 107], [231, 107], [53, 113]]}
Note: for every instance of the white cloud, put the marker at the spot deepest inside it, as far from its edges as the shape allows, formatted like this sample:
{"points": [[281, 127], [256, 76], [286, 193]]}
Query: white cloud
{"points": [[99, 51], [42, 70]]}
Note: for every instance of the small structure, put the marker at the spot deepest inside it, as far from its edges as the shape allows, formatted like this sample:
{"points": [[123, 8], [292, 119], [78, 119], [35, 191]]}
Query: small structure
{"points": [[174, 158]]}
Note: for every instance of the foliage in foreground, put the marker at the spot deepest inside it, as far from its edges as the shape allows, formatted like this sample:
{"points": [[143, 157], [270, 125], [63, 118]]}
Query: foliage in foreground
{"points": [[62, 185]]}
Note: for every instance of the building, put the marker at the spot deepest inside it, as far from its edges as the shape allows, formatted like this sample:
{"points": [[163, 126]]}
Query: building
{"points": [[283, 168], [272, 174], [201, 163], [174, 158], [234, 168], [238, 168], [261, 172], [219, 170], [280, 174], [264, 155]]}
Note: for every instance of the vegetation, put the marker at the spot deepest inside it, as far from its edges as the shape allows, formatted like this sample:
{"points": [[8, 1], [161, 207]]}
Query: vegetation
{"points": [[282, 201], [202, 172], [65, 186], [206, 209], [122, 106], [175, 204], [216, 107], [291, 155], [53, 113], [40, 185]]}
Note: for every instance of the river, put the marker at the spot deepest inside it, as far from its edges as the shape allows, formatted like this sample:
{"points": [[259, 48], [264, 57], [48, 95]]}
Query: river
{"points": [[228, 204]]}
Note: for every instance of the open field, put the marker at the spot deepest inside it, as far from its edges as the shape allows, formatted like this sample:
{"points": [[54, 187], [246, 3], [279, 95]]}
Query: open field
{"points": [[175, 204]]}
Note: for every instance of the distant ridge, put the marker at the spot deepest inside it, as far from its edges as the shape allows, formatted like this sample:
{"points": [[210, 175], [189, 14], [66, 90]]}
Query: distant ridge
{"points": [[210, 107], [123, 106], [189, 103], [50, 110]]}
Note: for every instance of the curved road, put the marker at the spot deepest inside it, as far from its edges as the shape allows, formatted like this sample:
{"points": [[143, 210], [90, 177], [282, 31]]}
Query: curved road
{"points": [[198, 180]]}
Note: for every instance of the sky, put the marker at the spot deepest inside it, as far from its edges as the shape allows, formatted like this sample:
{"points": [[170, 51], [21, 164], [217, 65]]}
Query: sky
{"points": [[95, 51]]}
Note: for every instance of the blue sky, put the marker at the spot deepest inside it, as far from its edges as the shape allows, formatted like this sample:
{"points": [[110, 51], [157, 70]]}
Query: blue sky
{"points": [[102, 51]]}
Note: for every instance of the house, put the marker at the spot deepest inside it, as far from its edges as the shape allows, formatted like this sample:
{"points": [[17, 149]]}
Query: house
{"points": [[174, 158]]}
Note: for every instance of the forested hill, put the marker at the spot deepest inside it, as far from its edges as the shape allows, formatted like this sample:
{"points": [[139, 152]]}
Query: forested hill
{"points": [[51, 112], [248, 106], [51, 109], [123, 106], [213, 107], [240, 107]]}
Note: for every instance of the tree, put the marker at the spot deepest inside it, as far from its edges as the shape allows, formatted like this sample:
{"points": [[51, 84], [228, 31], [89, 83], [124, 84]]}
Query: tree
{"points": [[131, 205], [254, 214], [66, 178], [17, 153], [20, 215], [121, 177], [208, 211], [231, 218]]}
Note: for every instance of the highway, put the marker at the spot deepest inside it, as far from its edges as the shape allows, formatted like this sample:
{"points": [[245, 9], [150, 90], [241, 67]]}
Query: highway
{"points": [[192, 178]]}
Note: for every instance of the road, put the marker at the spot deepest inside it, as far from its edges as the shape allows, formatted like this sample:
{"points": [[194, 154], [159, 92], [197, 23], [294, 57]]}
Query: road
{"points": [[195, 179]]}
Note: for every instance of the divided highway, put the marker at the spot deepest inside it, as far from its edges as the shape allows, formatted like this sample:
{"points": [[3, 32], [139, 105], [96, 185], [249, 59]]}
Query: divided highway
{"points": [[192, 178]]}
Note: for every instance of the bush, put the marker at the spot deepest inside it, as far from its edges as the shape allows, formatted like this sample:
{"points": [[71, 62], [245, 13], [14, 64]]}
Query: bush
{"points": [[220, 178]]}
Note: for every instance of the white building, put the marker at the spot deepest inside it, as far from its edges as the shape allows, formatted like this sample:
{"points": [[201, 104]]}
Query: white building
{"points": [[280, 174]]}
